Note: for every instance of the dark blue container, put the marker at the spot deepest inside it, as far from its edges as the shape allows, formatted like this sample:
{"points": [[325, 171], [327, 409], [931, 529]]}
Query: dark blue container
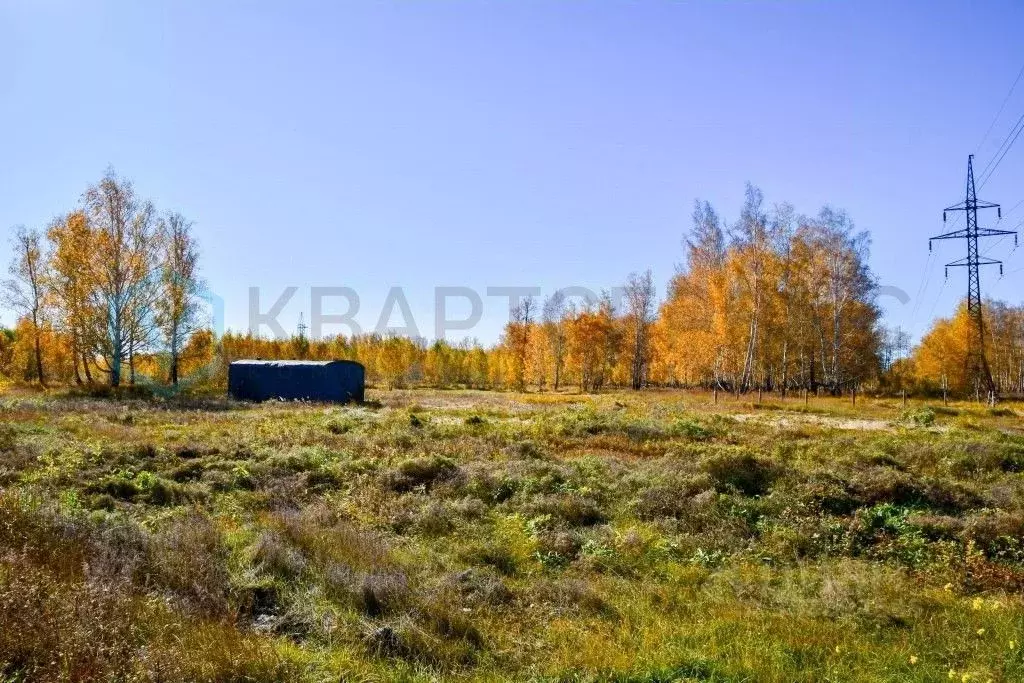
{"points": [[336, 381]]}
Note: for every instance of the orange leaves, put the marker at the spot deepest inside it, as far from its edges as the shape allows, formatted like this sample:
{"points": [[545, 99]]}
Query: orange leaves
{"points": [[945, 352]]}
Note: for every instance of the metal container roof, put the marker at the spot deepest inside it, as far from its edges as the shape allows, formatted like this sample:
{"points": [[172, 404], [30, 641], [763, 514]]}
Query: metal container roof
{"points": [[252, 361]]}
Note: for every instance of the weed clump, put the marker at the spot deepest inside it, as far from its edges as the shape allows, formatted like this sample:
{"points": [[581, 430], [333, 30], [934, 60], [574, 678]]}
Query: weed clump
{"points": [[479, 586], [8, 438], [384, 593], [690, 429], [421, 472], [272, 554], [925, 417], [743, 472]]}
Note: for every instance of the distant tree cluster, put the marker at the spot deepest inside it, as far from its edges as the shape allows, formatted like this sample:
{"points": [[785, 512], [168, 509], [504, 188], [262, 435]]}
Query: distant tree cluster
{"points": [[943, 359], [775, 301], [109, 286]]}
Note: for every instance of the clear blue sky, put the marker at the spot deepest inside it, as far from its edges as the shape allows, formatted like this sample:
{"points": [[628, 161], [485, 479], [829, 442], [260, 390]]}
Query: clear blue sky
{"points": [[372, 144]]}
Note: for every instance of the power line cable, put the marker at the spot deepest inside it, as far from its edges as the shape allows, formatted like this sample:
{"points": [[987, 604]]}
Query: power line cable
{"points": [[1015, 207], [931, 314], [1008, 141], [1001, 107], [922, 287]]}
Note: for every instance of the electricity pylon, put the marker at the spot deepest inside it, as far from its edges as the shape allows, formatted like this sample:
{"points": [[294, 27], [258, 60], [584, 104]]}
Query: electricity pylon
{"points": [[970, 206]]}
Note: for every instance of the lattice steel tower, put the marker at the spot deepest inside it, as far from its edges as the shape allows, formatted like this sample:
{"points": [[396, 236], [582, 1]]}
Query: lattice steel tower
{"points": [[973, 261]]}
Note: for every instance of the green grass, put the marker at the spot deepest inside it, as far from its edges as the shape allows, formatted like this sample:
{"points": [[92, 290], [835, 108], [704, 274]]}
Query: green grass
{"points": [[482, 536]]}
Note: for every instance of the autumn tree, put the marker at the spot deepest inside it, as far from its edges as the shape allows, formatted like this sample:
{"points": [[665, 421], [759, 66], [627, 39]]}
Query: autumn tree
{"points": [[553, 334], [26, 290], [639, 299], [840, 297], [752, 258], [8, 338], [177, 306], [123, 262], [1004, 344], [783, 219], [517, 340], [690, 333], [73, 285], [593, 342]]}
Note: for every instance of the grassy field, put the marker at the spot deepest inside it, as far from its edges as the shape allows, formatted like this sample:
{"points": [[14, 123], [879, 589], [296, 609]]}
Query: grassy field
{"points": [[434, 535]]}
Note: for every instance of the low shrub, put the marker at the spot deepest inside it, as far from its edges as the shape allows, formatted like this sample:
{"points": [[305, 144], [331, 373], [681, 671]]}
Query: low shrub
{"points": [[568, 509], [273, 554], [384, 593], [479, 586], [924, 417], [743, 472], [421, 472]]}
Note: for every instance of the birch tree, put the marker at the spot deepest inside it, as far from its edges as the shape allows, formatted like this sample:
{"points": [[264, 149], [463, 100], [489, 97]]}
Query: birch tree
{"points": [[123, 265], [639, 295], [72, 285], [177, 307], [554, 334], [26, 290]]}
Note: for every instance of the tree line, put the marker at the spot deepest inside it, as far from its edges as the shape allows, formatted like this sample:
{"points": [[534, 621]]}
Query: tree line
{"points": [[774, 301]]}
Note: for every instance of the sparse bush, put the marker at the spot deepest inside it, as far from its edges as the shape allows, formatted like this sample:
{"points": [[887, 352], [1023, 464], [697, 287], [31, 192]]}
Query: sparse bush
{"points": [[189, 471], [52, 630], [450, 624], [493, 555], [8, 438], [480, 586], [325, 539], [163, 492], [829, 493], [528, 450], [672, 499], [937, 527], [690, 429], [925, 417], [469, 508], [882, 485], [421, 472], [569, 509], [661, 501], [271, 553], [384, 593], [1000, 535], [557, 548], [434, 519], [743, 472], [190, 561], [571, 595], [118, 486]]}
